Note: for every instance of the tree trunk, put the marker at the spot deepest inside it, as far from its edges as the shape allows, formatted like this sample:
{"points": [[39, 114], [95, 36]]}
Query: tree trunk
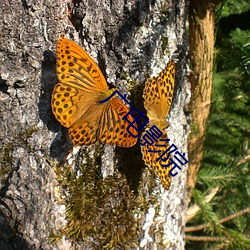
{"points": [[54, 196], [201, 40]]}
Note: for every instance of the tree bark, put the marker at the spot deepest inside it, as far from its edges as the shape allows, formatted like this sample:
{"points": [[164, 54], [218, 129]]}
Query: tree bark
{"points": [[201, 41], [131, 40]]}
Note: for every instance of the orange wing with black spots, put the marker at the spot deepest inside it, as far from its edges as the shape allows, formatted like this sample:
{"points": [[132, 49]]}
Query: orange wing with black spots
{"points": [[150, 160], [76, 100], [158, 93]]}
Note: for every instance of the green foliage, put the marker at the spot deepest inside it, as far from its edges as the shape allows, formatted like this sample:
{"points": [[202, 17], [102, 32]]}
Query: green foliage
{"points": [[230, 7], [207, 211], [226, 155]]}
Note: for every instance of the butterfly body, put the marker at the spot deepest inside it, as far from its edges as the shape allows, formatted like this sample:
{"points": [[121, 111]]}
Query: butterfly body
{"points": [[162, 124], [76, 100]]}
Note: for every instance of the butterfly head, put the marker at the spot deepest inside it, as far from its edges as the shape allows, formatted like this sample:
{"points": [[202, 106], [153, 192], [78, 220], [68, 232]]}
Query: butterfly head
{"points": [[106, 94], [159, 123]]}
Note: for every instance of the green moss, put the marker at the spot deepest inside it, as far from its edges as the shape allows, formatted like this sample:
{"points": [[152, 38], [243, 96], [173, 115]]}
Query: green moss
{"points": [[130, 83], [164, 10], [19, 140], [5, 161], [195, 129], [103, 211], [123, 76], [164, 45], [28, 133]]}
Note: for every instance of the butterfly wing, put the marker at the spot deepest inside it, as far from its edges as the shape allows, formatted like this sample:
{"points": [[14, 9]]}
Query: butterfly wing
{"points": [[75, 68], [150, 160], [158, 93], [104, 122], [69, 104], [80, 83], [113, 129], [85, 130]]}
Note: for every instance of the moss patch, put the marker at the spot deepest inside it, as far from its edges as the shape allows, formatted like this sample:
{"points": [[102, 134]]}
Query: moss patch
{"points": [[103, 212], [19, 140]]}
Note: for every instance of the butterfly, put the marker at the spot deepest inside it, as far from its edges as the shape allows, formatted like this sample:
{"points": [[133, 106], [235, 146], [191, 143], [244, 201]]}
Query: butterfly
{"points": [[76, 100], [157, 95]]}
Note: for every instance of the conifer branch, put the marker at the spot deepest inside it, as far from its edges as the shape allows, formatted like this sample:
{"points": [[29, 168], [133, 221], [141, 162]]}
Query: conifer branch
{"points": [[194, 209], [205, 238], [244, 160], [230, 217]]}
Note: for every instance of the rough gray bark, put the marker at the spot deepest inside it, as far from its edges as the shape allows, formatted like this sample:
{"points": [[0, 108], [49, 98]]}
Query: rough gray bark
{"points": [[123, 36]]}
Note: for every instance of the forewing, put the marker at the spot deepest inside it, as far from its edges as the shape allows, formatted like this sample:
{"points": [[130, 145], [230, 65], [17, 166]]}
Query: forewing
{"points": [[75, 68], [80, 83], [158, 93]]}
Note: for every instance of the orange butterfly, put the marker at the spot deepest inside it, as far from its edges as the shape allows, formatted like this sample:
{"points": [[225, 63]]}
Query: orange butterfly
{"points": [[157, 94], [76, 100]]}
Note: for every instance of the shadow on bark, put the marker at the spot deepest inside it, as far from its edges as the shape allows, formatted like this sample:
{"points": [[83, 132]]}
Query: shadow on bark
{"points": [[61, 145], [131, 165], [130, 159], [9, 239]]}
